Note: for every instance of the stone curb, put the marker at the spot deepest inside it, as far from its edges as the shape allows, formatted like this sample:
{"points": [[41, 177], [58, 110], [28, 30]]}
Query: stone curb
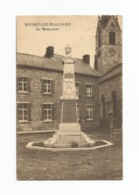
{"points": [[30, 146]]}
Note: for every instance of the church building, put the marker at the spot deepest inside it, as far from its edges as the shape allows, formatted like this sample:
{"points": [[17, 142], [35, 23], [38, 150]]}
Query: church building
{"points": [[108, 61]]}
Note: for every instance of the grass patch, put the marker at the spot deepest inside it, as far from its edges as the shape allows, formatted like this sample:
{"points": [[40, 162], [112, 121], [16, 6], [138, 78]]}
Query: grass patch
{"points": [[102, 164]]}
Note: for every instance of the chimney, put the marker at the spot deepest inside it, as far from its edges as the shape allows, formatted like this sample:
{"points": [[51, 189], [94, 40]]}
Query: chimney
{"points": [[49, 52], [86, 58]]}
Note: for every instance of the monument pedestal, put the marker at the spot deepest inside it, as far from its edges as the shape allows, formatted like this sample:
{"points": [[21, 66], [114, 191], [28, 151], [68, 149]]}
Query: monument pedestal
{"points": [[69, 137]]}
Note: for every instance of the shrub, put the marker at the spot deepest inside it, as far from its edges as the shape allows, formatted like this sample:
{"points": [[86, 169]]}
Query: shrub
{"points": [[74, 145]]}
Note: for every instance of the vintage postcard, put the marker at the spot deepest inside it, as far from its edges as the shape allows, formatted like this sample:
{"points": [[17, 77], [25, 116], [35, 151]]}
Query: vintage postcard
{"points": [[69, 97]]}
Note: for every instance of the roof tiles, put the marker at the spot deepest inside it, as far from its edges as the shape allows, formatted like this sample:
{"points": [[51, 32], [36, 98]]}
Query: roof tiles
{"points": [[53, 63]]}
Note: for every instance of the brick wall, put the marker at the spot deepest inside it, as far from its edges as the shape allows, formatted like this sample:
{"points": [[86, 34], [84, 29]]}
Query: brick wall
{"points": [[36, 98]]}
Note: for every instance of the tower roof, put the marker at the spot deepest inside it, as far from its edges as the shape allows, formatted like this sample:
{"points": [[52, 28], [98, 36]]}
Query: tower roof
{"points": [[104, 20]]}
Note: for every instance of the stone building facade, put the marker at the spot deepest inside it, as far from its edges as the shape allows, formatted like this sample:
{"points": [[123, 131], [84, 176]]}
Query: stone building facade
{"points": [[39, 84], [39, 87]]}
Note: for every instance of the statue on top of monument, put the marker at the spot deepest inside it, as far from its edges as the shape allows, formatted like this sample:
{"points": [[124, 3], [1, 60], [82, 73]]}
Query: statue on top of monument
{"points": [[68, 55], [68, 50]]}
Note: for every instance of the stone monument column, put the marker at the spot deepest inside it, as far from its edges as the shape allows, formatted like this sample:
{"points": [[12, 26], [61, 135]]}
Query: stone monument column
{"points": [[69, 97]]}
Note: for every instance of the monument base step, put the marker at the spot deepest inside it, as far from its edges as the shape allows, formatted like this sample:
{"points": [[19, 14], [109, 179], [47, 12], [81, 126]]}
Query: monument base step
{"points": [[69, 127], [69, 139], [66, 133]]}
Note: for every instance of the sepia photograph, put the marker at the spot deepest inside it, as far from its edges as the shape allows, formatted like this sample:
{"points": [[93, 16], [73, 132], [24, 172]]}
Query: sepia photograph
{"points": [[69, 97]]}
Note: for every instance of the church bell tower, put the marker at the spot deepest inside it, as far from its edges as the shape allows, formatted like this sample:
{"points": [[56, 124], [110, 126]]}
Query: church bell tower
{"points": [[108, 51]]}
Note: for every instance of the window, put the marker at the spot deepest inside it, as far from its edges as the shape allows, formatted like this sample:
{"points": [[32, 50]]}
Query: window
{"points": [[23, 85], [98, 54], [77, 85], [89, 90], [114, 103], [47, 86], [103, 109], [78, 112], [89, 111], [99, 40], [47, 112], [112, 38], [23, 112]]}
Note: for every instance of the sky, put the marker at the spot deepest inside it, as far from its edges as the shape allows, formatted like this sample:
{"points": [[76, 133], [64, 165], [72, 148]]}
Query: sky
{"points": [[79, 34]]}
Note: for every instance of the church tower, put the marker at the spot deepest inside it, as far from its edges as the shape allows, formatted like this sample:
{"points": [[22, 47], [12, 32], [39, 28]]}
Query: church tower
{"points": [[108, 51]]}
